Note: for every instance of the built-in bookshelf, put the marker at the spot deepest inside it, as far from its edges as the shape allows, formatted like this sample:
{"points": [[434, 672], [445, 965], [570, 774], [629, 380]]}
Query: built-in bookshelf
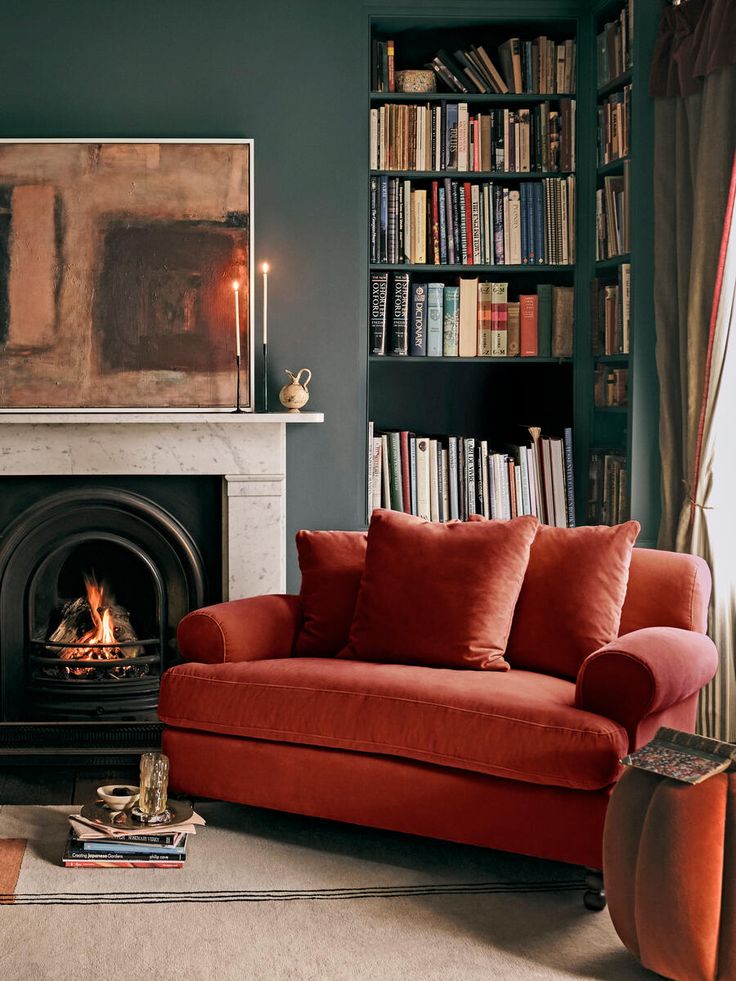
{"points": [[481, 219]]}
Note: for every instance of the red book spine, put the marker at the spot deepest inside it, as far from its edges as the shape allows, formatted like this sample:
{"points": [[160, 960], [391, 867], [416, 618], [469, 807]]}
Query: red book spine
{"points": [[528, 329], [436, 222], [468, 221], [405, 475]]}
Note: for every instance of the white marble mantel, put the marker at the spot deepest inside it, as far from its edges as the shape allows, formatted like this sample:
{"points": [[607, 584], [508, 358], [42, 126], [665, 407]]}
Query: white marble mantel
{"points": [[248, 450]]}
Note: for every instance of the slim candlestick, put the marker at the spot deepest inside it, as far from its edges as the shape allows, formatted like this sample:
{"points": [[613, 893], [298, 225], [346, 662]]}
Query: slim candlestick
{"points": [[236, 290]]}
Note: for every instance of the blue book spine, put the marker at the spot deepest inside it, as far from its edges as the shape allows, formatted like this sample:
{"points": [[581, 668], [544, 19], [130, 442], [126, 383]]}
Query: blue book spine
{"points": [[524, 243], [443, 225], [435, 293], [383, 239], [132, 848], [418, 343], [539, 221]]}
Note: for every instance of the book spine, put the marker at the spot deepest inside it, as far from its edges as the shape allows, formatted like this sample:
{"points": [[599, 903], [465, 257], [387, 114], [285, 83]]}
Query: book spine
{"points": [[395, 475], [374, 219], [379, 298], [452, 470], [451, 310], [569, 477], [468, 198], [435, 206], [434, 332], [400, 317], [97, 863], [383, 227], [405, 471], [418, 347], [528, 314], [499, 334], [485, 320]]}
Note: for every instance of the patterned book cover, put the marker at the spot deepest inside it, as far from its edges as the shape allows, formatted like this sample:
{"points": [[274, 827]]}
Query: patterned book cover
{"points": [[683, 756]]}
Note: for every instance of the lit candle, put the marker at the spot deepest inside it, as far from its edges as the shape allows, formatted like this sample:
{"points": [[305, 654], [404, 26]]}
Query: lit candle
{"points": [[265, 268], [236, 290]]}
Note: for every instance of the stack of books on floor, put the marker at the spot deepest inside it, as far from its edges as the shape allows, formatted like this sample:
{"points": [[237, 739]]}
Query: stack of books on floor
{"points": [[91, 845], [454, 477]]}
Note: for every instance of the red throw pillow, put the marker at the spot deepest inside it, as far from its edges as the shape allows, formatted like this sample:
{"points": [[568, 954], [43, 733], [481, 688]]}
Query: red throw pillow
{"points": [[331, 564], [442, 595], [572, 597]]}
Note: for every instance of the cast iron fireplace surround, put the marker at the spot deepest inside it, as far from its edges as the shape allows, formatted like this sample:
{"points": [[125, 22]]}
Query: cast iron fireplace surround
{"points": [[153, 571]]}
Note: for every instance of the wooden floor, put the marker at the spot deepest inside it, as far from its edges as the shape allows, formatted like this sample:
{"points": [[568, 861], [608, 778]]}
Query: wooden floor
{"points": [[58, 784]]}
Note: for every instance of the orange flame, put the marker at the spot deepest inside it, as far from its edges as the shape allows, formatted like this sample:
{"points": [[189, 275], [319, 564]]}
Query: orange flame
{"points": [[103, 629]]}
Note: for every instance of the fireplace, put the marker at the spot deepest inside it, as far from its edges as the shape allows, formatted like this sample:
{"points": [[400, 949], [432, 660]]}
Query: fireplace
{"points": [[93, 582], [139, 515]]}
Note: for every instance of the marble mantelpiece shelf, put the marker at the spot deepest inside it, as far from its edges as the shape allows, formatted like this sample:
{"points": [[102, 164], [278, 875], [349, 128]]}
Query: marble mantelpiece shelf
{"points": [[158, 418], [247, 450]]}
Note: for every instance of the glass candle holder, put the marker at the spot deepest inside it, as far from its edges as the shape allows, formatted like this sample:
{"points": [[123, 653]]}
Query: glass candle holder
{"points": [[154, 785]]}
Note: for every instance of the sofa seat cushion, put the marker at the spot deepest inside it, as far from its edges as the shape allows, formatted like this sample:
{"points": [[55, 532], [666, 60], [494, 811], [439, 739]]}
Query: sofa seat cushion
{"points": [[517, 724]]}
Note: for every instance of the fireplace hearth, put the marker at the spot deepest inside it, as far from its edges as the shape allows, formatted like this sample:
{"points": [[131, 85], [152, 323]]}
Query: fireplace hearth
{"points": [[93, 582]]}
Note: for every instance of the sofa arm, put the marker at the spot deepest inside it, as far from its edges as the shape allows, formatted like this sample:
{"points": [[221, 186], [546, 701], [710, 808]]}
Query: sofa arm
{"points": [[645, 672], [253, 629]]}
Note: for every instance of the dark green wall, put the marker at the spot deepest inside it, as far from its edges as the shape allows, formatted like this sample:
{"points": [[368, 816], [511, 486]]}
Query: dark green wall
{"points": [[290, 76]]}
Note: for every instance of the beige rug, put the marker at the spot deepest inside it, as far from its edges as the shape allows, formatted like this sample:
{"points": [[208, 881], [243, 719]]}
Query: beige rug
{"points": [[273, 896]]}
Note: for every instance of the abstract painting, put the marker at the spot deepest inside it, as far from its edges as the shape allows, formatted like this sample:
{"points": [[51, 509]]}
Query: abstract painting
{"points": [[118, 265]]}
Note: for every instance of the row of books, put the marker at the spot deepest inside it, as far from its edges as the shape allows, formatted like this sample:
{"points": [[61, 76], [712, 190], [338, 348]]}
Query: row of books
{"points": [[451, 478], [538, 65], [459, 222], [610, 386], [612, 216], [473, 319], [614, 126], [406, 136], [611, 313], [607, 488], [615, 45], [93, 845]]}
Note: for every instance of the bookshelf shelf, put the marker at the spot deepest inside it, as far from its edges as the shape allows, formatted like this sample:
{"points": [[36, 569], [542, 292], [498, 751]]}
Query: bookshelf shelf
{"points": [[612, 167], [613, 262], [616, 83], [471, 175], [389, 359], [611, 358], [509, 98], [497, 270]]}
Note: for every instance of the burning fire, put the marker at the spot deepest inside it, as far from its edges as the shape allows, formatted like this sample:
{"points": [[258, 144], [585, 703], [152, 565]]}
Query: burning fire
{"points": [[103, 630], [110, 628]]}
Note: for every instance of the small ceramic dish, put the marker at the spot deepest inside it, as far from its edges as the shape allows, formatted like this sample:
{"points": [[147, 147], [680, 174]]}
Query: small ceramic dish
{"points": [[118, 796]]}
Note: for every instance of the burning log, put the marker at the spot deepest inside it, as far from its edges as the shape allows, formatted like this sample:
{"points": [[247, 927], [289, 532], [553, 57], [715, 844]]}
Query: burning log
{"points": [[96, 622]]}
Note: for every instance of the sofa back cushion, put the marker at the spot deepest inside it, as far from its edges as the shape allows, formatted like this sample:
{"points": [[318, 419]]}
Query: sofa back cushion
{"points": [[572, 597], [441, 595], [666, 589], [331, 564]]}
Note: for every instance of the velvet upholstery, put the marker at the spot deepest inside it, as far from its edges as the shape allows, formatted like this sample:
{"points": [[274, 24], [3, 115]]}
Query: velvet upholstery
{"points": [[241, 630], [234, 731], [519, 724], [441, 595], [390, 792], [572, 597], [645, 672], [331, 564], [668, 861]]}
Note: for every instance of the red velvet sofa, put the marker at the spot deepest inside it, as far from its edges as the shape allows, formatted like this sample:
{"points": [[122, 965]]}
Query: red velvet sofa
{"points": [[516, 760]]}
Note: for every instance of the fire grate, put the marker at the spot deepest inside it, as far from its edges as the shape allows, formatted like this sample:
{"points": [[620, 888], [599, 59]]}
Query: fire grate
{"points": [[114, 663]]}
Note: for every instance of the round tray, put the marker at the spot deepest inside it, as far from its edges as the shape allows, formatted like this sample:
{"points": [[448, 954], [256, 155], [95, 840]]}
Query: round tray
{"points": [[179, 811]]}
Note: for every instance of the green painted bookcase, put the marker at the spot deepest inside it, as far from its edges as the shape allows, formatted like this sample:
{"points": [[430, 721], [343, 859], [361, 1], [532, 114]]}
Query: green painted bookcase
{"points": [[496, 398]]}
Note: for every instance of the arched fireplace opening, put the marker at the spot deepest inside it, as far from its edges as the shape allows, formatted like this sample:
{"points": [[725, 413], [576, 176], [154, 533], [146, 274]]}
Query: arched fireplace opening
{"points": [[92, 585]]}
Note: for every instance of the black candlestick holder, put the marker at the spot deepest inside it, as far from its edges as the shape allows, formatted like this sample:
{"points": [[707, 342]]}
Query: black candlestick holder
{"points": [[265, 376], [237, 384]]}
